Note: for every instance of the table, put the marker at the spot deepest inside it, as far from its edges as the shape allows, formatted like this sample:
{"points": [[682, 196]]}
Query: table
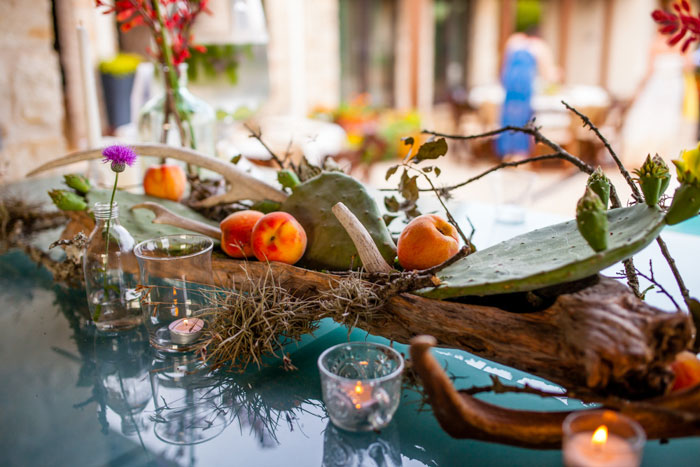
{"points": [[71, 397]]}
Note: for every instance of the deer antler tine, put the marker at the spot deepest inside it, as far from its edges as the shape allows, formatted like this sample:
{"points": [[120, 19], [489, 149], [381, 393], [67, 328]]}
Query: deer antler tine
{"points": [[241, 185]]}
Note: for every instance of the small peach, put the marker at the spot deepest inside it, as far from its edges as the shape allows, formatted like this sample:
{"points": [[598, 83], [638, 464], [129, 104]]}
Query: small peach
{"points": [[165, 181], [427, 241], [236, 230], [278, 236], [686, 367]]}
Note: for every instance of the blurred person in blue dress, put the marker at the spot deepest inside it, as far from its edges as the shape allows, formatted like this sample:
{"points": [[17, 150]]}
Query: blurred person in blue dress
{"points": [[528, 67]]}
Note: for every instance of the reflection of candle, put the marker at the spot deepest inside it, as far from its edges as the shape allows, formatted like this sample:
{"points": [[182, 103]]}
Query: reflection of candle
{"points": [[360, 395], [186, 330], [599, 449]]}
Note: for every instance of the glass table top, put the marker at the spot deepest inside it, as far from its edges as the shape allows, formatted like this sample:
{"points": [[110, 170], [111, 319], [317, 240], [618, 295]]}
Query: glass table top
{"points": [[72, 397]]}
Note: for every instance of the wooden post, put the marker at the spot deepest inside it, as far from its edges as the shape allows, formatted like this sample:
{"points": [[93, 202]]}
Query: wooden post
{"points": [[608, 12]]}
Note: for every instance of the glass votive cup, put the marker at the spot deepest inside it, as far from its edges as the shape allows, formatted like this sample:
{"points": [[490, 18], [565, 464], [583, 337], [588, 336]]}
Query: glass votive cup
{"points": [[601, 438], [175, 276], [361, 384]]}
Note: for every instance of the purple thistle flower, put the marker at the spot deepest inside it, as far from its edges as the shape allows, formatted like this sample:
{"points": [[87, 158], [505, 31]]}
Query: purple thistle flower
{"points": [[120, 156]]}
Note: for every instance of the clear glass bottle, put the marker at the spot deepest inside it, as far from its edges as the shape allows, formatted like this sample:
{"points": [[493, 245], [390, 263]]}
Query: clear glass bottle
{"points": [[199, 121], [107, 260]]}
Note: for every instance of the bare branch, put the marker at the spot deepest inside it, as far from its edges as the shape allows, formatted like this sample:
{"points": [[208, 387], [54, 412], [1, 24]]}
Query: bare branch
{"points": [[636, 194], [257, 135]]}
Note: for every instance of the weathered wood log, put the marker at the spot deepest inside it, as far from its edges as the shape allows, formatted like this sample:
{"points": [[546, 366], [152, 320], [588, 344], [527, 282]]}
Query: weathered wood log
{"points": [[463, 416], [598, 340]]}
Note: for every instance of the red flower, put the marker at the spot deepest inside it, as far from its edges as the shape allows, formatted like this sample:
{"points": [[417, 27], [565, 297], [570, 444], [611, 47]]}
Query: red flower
{"points": [[682, 24]]}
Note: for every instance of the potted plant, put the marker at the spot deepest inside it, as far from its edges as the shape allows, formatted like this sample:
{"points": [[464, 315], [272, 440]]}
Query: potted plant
{"points": [[117, 81]]}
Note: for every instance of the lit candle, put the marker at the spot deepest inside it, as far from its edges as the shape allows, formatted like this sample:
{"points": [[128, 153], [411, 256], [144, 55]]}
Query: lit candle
{"points": [[599, 449], [361, 396], [186, 330]]}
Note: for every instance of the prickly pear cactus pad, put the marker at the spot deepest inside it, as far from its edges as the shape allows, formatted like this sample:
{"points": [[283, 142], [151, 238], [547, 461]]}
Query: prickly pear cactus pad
{"points": [[138, 222], [548, 256], [329, 246]]}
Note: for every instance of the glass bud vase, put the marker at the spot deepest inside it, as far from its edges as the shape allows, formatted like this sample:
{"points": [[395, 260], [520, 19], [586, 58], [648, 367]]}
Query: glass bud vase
{"points": [[107, 259], [199, 120]]}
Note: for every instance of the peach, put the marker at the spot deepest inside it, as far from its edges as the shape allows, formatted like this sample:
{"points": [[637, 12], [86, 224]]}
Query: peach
{"points": [[278, 236], [236, 230], [427, 241], [165, 181], [686, 367]]}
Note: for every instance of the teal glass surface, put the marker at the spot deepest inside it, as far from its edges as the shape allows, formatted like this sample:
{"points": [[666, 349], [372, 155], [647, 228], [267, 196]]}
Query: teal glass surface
{"points": [[71, 397]]}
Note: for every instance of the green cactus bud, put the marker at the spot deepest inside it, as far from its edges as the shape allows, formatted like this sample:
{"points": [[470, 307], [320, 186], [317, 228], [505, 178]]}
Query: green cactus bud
{"points": [[78, 182], [266, 206], [591, 220], [287, 178], [67, 200], [600, 184], [685, 204], [653, 178]]}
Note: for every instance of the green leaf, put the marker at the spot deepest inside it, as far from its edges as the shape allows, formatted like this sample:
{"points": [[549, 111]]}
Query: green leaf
{"points": [[236, 158], [427, 169], [437, 171], [392, 170], [431, 150]]}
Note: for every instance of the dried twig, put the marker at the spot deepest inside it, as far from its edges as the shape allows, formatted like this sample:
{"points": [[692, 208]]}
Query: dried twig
{"points": [[636, 194], [258, 136], [674, 269]]}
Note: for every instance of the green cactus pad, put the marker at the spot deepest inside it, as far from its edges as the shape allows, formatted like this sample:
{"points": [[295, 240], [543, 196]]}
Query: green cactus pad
{"points": [[548, 256], [139, 221], [329, 246]]}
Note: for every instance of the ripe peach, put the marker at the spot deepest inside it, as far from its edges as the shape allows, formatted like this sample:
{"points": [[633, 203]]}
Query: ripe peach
{"points": [[427, 241], [686, 367], [278, 236], [165, 181], [235, 233]]}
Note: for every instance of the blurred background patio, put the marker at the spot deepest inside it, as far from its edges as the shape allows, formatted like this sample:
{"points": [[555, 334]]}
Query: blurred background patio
{"points": [[349, 78]]}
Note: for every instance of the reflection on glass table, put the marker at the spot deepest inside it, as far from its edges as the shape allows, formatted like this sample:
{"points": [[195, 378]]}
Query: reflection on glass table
{"points": [[71, 397]]}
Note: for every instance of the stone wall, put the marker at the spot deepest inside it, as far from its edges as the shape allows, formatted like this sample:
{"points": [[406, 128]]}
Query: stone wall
{"points": [[31, 96]]}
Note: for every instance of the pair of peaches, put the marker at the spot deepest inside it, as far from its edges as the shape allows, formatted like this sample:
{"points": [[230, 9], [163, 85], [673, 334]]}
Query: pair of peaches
{"points": [[276, 236], [427, 240]]}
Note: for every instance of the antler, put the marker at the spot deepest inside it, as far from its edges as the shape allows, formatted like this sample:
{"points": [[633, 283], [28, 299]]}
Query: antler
{"points": [[241, 185], [167, 217]]}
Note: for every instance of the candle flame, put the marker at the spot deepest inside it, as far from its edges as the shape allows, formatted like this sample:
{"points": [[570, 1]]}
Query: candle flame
{"points": [[358, 406], [600, 436], [358, 388], [185, 321], [364, 363]]}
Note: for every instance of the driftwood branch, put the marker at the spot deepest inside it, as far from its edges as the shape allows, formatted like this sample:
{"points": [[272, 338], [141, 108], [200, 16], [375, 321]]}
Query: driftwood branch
{"points": [[463, 416]]}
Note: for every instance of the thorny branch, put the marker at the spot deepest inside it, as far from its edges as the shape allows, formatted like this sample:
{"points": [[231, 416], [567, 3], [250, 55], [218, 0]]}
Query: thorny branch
{"points": [[674, 269], [636, 194]]}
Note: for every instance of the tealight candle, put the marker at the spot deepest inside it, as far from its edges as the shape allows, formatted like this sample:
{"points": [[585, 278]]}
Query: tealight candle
{"points": [[601, 438], [361, 383], [186, 330]]}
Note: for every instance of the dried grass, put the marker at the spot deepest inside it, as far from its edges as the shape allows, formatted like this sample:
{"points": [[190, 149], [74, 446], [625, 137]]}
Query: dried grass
{"points": [[256, 320]]}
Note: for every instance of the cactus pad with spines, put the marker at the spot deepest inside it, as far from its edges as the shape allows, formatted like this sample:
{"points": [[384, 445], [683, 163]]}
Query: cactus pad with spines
{"points": [[548, 256], [139, 221], [329, 245]]}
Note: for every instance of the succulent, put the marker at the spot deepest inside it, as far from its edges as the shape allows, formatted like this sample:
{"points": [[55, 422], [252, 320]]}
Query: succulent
{"points": [[686, 199], [67, 200], [78, 182], [548, 256], [139, 221], [600, 184], [591, 220], [287, 178], [329, 246], [653, 178]]}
